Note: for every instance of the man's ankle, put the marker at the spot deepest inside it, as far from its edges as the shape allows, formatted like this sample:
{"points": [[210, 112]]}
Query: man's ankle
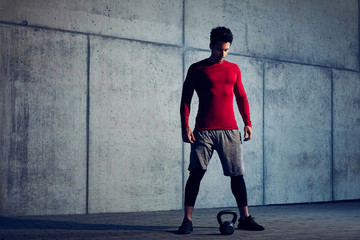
{"points": [[188, 212]]}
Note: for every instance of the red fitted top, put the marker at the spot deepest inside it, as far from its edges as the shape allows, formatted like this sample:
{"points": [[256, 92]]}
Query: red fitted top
{"points": [[215, 85]]}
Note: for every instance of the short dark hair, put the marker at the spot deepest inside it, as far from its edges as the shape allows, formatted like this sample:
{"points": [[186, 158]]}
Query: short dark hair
{"points": [[220, 34]]}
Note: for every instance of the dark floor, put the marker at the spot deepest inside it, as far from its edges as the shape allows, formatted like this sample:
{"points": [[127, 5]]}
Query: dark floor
{"points": [[339, 220]]}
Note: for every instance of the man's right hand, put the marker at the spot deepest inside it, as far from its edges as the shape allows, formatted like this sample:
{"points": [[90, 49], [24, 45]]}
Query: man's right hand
{"points": [[188, 136]]}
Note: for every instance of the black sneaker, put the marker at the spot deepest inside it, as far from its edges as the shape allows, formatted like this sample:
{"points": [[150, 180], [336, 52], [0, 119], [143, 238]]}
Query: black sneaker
{"points": [[249, 224], [186, 227]]}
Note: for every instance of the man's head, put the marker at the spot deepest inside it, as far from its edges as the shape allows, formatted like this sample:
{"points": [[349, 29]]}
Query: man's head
{"points": [[220, 41], [222, 34]]}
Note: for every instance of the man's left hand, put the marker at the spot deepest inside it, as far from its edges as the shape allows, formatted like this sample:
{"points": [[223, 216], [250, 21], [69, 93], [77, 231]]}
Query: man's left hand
{"points": [[248, 133]]}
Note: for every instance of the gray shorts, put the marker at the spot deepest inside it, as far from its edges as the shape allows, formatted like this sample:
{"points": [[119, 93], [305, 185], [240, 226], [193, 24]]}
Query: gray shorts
{"points": [[227, 143]]}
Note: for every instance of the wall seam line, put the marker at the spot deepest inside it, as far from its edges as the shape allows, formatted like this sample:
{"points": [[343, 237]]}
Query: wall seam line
{"points": [[263, 139], [87, 122], [89, 34], [332, 135], [183, 77]]}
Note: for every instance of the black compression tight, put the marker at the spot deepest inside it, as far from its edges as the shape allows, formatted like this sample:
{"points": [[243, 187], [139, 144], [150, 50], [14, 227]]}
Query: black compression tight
{"points": [[238, 188], [192, 186]]}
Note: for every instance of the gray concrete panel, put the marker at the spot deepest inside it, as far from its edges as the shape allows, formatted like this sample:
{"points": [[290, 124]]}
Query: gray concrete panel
{"points": [[346, 135], [297, 133], [135, 142], [43, 122], [319, 32], [148, 20], [215, 188]]}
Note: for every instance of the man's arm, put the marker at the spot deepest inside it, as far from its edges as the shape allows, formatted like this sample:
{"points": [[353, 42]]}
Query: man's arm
{"points": [[186, 96], [243, 106]]}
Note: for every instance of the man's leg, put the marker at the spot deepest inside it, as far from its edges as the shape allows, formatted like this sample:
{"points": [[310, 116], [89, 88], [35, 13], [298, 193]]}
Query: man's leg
{"points": [[191, 191], [238, 188]]}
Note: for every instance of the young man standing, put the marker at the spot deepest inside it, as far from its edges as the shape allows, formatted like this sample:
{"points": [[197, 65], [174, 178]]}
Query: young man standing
{"points": [[215, 82]]}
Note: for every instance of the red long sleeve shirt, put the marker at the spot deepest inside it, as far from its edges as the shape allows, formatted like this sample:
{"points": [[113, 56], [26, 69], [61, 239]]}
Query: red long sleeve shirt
{"points": [[215, 85]]}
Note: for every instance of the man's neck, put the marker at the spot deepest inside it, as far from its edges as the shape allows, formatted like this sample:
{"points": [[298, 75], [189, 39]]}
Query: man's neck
{"points": [[214, 61]]}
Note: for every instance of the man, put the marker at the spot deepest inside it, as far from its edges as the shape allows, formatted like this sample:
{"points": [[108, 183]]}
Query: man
{"points": [[215, 82]]}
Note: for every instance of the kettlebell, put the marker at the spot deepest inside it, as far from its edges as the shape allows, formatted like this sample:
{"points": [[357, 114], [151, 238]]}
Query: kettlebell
{"points": [[227, 227]]}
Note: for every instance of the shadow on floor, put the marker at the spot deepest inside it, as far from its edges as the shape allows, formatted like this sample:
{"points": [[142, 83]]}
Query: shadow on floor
{"points": [[21, 223], [8, 223]]}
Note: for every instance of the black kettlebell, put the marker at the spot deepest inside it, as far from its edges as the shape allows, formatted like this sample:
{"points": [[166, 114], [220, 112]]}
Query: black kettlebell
{"points": [[227, 228]]}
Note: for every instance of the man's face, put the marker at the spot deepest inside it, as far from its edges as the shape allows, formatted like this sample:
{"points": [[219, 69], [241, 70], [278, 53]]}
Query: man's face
{"points": [[219, 51]]}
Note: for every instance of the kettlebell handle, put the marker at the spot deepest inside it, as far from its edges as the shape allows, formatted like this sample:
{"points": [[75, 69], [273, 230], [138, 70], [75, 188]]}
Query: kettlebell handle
{"points": [[226, 212]]}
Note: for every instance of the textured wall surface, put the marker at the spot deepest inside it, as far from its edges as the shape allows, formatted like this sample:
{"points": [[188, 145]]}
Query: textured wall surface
{"points": [[297, 133], [135, 150], [148, 20], [43, 122], [90, 94], [346, 135], [316, 32]]}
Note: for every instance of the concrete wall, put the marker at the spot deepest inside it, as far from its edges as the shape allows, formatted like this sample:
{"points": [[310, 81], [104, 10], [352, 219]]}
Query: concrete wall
{"points": [[43, 121], [90, 94]]}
